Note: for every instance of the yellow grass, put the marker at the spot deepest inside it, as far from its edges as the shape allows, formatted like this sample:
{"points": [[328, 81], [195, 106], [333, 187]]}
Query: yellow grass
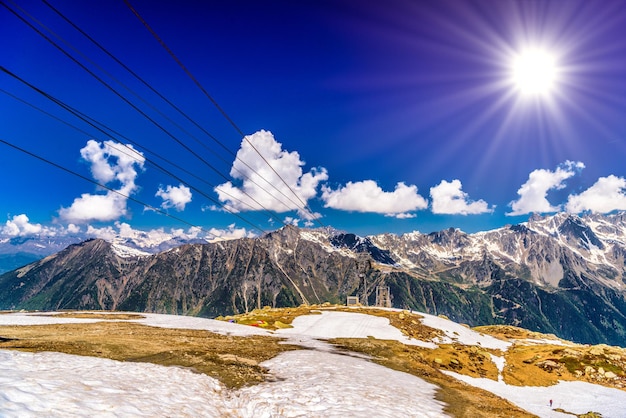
{"points": [[235, 360]]}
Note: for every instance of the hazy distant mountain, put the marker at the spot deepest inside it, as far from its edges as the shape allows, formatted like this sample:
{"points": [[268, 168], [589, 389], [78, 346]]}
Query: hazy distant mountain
{"points": [[560, 274], [10, 262], [18, 251]]}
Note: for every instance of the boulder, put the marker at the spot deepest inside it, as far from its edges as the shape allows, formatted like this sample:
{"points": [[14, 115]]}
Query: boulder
{"points": [[549, 365]]}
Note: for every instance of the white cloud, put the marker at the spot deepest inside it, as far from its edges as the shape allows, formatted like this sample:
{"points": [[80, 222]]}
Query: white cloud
{"points": [[254, 173], [73, 229], [95, 207], [291, 221], [191, 233], [106, 233], [229, 233], [174, 197], [367, 196], [533, 193], [606, 195], [111, 161], [112, 165], [154, 237], [20, 226], [448, 198]]}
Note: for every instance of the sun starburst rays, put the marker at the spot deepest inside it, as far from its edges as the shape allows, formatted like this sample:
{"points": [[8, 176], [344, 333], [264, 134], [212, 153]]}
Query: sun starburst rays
{"points": [[542, 85], [534, 72]]}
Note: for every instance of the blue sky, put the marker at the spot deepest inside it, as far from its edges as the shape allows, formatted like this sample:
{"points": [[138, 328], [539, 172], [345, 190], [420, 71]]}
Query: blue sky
{"points": [[387, 117]]}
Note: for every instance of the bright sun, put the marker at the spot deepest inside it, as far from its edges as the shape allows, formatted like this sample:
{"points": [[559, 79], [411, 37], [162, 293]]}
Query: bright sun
{"points": [[534, 72]]}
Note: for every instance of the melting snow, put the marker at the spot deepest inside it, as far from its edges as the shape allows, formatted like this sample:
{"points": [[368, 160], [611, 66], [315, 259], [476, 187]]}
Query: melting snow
{"points": [[125, 252], [193, 322], [315, 384], [575, 397], [40, 319], [461, 334], [306, 383], [499, 361], [348, 325], [62, 385]]}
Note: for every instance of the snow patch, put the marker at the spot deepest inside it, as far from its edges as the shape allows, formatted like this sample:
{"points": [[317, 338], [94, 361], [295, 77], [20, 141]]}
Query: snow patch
{"points": [[348, 325], [127, 252], [63, 385], [194, 322], [575, 397], [311, 383], [458, 333], [499, 361], [317, 384]]}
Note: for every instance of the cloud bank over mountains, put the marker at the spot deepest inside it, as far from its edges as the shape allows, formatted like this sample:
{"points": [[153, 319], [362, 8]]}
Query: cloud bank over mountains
{"points": [[606, 195], [267, 177], [20, 225]]}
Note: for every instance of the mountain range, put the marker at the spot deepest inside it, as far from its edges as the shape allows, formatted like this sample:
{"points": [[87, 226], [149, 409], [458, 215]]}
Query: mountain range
{"points": [[21, 250], [559, 274]]}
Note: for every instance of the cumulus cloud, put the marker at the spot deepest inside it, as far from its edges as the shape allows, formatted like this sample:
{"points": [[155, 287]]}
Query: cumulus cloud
{"points": [[606, 195], [95, 207], [20, 226], [231, 232], [107, 233], [259, 182], [151, 237], [73, 229], [174, 197], [113, 162], [533, 193], [405, 215], [112, 165], [155, 237], [449, 199], [289, 220], [368, 196]]}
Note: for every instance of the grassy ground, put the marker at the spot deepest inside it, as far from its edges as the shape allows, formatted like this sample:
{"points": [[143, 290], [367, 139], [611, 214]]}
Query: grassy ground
{"points": [[544, 364], [232, 360], [462, 400], [235, 360]]}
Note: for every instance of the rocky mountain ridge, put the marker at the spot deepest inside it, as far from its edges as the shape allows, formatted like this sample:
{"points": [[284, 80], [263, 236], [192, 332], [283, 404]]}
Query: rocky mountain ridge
{"points": [[540, 250], [559, 274], [18, 251]]}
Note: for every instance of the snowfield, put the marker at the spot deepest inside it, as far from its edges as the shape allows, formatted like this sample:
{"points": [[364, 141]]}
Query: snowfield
{"points": [[347, 325], [575, 397], [317, 382], [458, 333]]}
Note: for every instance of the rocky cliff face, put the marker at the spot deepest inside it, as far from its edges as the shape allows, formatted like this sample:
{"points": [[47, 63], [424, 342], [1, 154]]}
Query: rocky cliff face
{"points": [[560, 274]]}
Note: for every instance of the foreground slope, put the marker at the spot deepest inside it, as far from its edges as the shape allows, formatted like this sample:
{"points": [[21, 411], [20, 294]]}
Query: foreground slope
{"points": [[560, 274], [320, 374]]}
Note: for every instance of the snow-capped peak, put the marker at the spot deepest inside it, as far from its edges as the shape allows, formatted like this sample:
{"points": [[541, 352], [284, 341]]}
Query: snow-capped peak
{"points": [[127, 252]]}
